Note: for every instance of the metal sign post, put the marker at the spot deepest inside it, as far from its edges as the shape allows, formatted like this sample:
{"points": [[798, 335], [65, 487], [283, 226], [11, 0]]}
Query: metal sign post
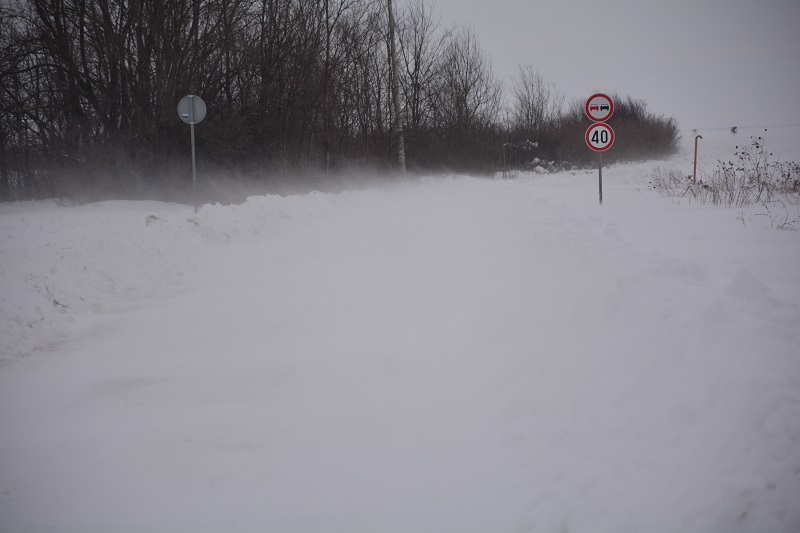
{"points": [[191, 110], [600, 177], [599, 136], [194, 169]]}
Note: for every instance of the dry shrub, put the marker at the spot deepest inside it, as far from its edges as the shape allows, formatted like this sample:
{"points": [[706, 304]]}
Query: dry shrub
{"points": [[752, 178]]}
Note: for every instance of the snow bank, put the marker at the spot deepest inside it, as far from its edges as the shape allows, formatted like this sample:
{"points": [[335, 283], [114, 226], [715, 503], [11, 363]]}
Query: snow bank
{"points": [[60, 266], [61, 263]]}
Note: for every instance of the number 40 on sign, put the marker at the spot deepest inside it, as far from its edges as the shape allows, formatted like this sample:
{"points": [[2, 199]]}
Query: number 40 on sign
{"points": [[599, 137]]}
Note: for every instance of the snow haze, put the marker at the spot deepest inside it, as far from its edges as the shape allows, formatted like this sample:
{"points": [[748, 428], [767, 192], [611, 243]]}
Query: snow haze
{"points": [[449, 354]]}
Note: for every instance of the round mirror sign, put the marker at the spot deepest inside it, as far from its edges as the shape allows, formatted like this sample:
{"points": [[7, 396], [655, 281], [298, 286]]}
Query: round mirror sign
{"points": [[191, 109]]}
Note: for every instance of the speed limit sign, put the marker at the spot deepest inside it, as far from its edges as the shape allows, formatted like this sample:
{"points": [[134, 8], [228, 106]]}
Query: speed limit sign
{"points": [[600, 137]]}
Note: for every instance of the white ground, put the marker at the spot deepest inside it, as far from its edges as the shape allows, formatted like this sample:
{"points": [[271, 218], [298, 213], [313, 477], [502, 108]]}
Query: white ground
{"points": [[452, 355]]}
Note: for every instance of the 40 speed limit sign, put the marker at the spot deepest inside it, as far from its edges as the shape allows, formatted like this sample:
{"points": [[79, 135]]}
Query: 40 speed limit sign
{"points": [[600, 137]]}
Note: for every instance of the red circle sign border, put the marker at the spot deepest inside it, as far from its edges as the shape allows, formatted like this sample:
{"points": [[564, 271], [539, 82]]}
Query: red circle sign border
{"points": [[600, 125], [610, 103]]}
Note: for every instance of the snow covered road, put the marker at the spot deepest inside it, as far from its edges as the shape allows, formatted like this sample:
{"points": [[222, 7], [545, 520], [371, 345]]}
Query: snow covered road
{"points": [[452, 355]]}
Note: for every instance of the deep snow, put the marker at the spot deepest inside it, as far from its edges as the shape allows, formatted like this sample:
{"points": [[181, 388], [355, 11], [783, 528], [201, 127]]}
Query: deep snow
{"points": [[445, 355]]}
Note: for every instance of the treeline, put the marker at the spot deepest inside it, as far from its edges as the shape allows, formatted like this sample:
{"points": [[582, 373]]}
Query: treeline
{"points": [[295, 89]]}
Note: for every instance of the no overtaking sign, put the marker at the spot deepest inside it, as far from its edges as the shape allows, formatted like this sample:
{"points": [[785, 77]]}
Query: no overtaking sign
{"points": [[599, 107]]}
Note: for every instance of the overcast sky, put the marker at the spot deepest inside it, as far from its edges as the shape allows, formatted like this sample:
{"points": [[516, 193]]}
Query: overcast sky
{"points": [[708, 63]]}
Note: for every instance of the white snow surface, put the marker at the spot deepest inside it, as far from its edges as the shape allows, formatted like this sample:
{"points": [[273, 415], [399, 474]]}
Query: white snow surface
{"points": [[449, 354]]}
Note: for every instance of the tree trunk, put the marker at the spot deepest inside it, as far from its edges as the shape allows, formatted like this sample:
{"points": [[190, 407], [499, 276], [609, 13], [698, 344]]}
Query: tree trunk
{"points": [[5, 180], [399, 145]]}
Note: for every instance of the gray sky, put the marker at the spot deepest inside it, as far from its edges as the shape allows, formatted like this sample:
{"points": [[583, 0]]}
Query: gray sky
{"points": [[708, 63]]}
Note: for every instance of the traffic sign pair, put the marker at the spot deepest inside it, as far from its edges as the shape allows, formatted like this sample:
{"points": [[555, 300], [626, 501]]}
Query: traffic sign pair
{"points": [[599, 136]]}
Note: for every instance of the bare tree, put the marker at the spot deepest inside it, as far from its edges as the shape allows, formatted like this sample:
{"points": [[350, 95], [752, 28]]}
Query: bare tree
{"points": [[398, 115], [536, 103], [12, 53], [466, 101], [421, 50], [468, 92]]}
